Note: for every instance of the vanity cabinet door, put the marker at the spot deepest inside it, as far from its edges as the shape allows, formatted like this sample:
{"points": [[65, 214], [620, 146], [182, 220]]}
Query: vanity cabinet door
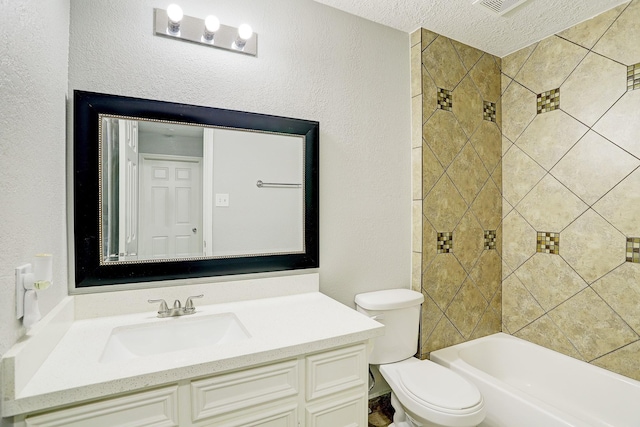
{"points": [[336, 388], [215, 399], [154, 408]]}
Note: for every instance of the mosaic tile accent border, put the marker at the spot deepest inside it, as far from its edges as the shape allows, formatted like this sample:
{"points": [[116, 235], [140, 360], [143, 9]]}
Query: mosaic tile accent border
{"points": [[489, 239], [445, 99], [548, 243], [548, 101], [445, 243], [633, 249], [633, 77], [489, 111]]}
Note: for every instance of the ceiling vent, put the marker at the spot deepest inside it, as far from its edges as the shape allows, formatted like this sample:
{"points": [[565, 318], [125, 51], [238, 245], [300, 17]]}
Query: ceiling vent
{"points": [[499, 7]]}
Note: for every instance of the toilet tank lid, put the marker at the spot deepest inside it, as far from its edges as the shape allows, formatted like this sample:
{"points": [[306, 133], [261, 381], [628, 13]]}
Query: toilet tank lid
{"points": [[389, 299]]}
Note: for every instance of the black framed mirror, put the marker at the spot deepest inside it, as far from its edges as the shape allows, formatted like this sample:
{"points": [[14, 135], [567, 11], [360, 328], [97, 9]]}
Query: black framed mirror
{"points": [[168, 191]]}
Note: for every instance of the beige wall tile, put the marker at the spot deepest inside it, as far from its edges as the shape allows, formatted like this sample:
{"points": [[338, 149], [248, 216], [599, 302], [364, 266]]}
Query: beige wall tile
{"points": [[487, 206], [416, 271], [444, 206], [549, 137], [550, 64], [443, 64], [550, 279], [443, 278], [416, 224], [624, 361], [444, 335], [592, 179], [512, 63], [519, 240], [468, 241], [621, 205], [469, 55], [550, 206], [545, 333], [467, 106], [519, 106], [416, 37], [520, 174], [416, 121], [592, 246], [429, 96], [588, 102], [505, 81], [486, 76], [620, 41], [429, 238], [416, 173], [587, 33], [591, 326], [466, 309], [431, 170], [490, 323], [506, 208], [431, 315], [444, 135], [620, 125], [488, 144], [487, 273], [468, 173], [427, 38], [416, 82], [621, 290], [496, 176], [519, 308]]}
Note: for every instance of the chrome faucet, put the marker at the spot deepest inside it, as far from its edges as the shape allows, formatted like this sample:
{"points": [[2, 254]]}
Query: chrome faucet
{"points": [[178, 309]]}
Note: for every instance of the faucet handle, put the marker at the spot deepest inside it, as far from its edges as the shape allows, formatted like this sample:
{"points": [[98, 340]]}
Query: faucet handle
{"points": [[188, 306], [163, 309]]}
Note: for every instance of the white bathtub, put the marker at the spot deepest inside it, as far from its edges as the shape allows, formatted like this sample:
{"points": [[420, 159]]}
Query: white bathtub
{"points": [[526, 385]]}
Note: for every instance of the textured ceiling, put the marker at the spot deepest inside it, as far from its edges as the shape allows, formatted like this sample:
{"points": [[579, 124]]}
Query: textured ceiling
{"points": [[477, 26]]}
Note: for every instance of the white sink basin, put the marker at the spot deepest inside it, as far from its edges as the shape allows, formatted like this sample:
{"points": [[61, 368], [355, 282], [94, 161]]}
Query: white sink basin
{"points": [[172, 334]]}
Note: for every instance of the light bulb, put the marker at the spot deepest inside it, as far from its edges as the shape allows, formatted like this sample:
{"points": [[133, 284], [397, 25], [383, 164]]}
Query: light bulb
{"points": [[244, 33], [174, 13], [211, 25]]}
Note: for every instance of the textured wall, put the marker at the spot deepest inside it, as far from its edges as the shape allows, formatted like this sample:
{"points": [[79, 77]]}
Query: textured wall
{"points": [[313, 62], [571, 175], [456, 119], [33, 82]]}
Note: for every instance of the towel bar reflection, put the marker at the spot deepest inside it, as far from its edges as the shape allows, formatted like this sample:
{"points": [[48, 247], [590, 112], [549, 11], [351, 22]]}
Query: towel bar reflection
{"points": [[261, 184]]}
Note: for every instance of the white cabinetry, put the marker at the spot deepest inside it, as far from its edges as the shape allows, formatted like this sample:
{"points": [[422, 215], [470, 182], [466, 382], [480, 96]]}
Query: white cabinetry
{"points": [[326, 389]]}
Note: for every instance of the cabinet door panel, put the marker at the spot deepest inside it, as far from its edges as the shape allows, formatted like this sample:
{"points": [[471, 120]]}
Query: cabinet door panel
{"points": [[218, 395], [336, 371], [346, 411], [155, 408], [279, 415]]}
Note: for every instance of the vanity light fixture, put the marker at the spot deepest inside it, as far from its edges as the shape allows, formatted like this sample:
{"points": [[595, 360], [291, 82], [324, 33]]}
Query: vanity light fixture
{"points": [[174, 24]]}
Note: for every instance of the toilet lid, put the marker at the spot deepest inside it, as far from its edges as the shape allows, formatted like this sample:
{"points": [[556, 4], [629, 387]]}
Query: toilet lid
{"points": [[438, 386]]}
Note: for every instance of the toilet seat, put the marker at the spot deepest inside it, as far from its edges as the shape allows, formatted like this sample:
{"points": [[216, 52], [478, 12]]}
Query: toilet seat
{"points": [[434, 393], [439, 388]]}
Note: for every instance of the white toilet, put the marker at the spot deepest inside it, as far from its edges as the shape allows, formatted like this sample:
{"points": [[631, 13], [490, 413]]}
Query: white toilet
{"points": [[423, 392]]}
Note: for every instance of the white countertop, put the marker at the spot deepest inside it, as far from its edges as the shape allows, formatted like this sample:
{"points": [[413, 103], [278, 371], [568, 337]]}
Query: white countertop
{"points": [[280, 327]]}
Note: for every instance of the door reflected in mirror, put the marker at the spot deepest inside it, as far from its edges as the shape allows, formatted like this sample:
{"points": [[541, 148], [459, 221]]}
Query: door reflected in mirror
{"points": [[172, 191]]}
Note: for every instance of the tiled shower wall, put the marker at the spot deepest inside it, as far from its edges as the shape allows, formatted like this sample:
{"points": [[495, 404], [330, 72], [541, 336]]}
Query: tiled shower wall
{"points": [[571, 196], [457, 178]]}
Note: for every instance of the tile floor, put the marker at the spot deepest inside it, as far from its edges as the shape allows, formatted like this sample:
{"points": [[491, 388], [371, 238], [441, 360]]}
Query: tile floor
{"points": [[380, 411]]}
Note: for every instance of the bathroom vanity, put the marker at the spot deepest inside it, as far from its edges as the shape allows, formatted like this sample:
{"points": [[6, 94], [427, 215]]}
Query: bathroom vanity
{"points": [[291, 357]]}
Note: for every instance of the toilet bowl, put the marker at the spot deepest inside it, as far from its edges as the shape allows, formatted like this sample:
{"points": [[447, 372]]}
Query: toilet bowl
{"points": [[432, 395], [424, 394]]}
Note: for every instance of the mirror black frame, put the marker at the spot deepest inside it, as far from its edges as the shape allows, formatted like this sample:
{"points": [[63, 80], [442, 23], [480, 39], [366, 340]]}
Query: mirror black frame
{"points": [[88, 270]]}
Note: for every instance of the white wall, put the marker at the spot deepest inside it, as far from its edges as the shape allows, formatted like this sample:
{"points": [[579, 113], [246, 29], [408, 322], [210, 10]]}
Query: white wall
{"points": [[33, 85], [313, 62]]}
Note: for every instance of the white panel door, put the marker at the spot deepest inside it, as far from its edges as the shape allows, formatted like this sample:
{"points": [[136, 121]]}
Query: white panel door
{"points": [[128, 197], [170, 207]]}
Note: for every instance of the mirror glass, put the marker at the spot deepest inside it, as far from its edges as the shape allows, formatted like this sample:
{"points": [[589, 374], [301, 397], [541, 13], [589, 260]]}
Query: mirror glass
{"points": [[175, 191], [165, 191]]}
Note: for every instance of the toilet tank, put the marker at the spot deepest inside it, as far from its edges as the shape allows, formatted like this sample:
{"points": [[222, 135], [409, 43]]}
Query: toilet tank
{"points": [[399, 311]]}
